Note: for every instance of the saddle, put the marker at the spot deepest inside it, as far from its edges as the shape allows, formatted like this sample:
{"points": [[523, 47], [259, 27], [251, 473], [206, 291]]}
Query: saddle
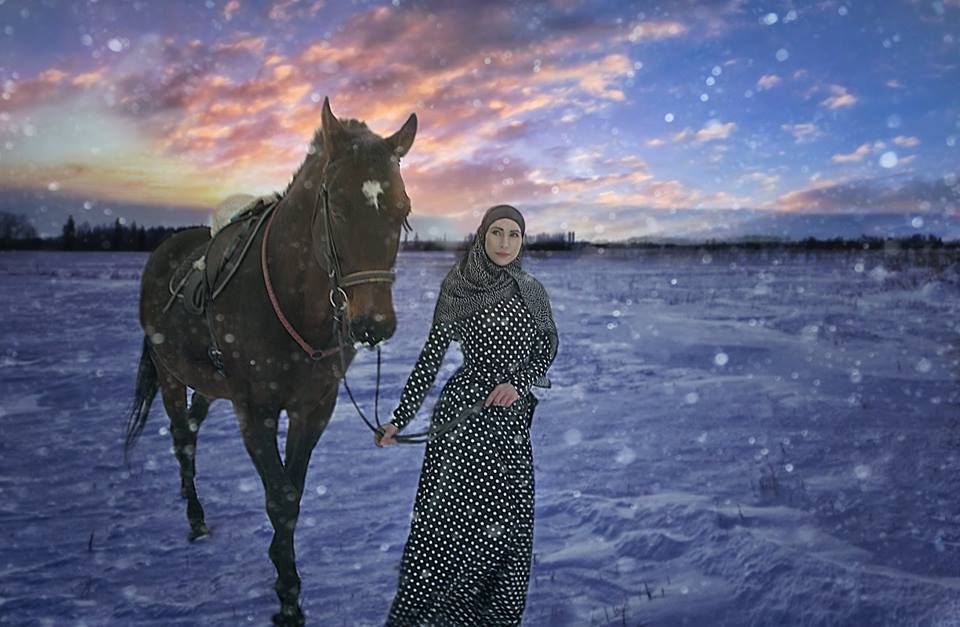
{"points": [[188, 277], [199, 279]]}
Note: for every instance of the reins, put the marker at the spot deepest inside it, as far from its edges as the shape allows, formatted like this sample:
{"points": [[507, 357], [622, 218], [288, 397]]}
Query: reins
{"points": [[341, 327], [314, 354]]}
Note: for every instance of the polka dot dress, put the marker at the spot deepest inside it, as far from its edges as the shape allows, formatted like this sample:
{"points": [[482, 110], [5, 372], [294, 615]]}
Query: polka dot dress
{"points": [[467, 559]]}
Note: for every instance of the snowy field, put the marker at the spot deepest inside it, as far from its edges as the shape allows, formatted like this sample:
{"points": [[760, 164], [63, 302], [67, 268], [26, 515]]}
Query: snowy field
{"points": [[771, 439]]}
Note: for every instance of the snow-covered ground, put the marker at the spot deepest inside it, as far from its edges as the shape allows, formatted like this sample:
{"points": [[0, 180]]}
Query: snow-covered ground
{"points": [[730, 440]]}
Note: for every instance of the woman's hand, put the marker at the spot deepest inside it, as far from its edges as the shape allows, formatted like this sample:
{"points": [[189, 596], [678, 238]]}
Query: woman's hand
{"points": [[503, 395], [389, 431]]}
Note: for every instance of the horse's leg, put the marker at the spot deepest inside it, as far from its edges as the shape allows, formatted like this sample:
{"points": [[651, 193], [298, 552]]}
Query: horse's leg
{"points": [[199, 406], [259, 428], [305, 428], [184, 443]]}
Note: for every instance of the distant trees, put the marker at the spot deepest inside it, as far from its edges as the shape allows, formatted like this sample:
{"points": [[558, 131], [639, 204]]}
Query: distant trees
{"points": [[16, 232], [864, 242], [69, 234], [119, 236], [16, 227], [540, 241], [870, 242], [552, 241]]}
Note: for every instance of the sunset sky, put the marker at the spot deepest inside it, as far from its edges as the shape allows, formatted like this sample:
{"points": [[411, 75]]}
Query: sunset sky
{"points": [[611, 119]]}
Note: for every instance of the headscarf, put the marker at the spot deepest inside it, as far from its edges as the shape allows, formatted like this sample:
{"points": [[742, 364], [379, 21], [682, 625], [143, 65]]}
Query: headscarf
{"points": [[475, 282]]}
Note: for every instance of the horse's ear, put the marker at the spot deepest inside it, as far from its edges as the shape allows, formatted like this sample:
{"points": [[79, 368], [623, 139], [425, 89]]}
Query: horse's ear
{"points": [[401, 141], [331, 127]]}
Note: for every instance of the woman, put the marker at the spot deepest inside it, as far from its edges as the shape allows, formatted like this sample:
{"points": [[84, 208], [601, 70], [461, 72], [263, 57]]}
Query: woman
{"points": [[467, 560]]}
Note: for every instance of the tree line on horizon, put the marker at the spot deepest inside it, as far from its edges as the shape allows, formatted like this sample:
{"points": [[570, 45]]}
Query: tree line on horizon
{"points": [[16, 233]]}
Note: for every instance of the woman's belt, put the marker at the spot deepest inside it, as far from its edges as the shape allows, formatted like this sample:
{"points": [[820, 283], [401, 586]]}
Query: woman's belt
{"points": [[485, 374]]}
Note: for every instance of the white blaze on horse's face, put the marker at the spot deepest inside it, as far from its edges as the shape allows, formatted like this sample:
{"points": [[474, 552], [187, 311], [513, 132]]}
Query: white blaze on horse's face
{"points": [[372, 191]]}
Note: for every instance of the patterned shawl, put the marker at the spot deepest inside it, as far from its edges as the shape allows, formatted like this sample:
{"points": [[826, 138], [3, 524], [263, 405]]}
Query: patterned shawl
{"points": [[475, 282]]}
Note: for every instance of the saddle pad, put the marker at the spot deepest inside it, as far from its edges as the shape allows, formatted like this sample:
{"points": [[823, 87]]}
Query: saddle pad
{"points": [[229, 213]]}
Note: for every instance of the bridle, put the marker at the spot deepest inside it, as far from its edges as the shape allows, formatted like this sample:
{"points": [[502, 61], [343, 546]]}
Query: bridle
{"points": [[328, 258]]}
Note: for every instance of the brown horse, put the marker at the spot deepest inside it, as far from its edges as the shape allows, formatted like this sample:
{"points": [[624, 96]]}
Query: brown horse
{"points": [[341, 215]]}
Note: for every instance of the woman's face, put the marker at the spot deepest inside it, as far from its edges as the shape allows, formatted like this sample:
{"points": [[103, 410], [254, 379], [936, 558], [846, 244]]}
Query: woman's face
{"points": [[503, 241]]}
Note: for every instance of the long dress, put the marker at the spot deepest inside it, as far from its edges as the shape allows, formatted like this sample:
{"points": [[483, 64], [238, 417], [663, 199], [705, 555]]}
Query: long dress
{"points": [[467, 558]]}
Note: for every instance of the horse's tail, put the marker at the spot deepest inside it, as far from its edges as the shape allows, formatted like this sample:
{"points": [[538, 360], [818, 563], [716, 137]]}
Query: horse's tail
{"points": [[144, 394]]}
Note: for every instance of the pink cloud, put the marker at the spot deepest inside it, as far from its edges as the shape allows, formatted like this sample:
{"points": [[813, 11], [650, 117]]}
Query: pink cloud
{"points": [[857, 155], [890, 194], [768, 81], [656, 30], [906, 141], [803, 133], [230, 8], [839, 98], [714, 131]]}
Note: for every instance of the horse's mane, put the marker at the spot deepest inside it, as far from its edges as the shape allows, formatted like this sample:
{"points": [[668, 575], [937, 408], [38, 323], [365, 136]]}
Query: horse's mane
{"points": [[354, 128]]}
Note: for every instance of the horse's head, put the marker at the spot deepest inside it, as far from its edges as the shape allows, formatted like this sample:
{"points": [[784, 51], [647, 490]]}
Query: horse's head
{"points": [[363, 205]]}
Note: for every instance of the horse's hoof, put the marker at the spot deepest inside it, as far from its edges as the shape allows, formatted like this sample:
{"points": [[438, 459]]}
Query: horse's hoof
{"points": [[289, 617], [198, 532]]}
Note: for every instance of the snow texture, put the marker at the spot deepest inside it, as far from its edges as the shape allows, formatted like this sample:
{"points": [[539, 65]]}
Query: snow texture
{"points": [[729, 440]]}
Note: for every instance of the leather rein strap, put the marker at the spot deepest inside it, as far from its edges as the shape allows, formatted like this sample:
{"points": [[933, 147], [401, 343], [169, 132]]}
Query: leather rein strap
{"points": [[312, 352]]}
